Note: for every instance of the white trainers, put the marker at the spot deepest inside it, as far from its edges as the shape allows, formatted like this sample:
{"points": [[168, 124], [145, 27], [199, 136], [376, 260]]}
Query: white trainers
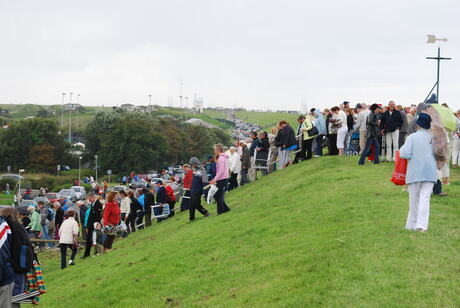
{"points": [[71, 262]]}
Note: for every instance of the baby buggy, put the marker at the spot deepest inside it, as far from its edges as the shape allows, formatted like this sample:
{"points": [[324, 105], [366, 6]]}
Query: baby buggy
{"points": [[353, 146]]}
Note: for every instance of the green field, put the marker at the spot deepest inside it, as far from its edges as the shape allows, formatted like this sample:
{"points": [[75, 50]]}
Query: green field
{"points": [[267, 119], [326, 232], [7, 199], [85, 116]]}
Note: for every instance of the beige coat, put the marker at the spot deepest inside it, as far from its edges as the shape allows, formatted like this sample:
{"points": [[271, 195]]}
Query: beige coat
{"points": [[68, 230]]}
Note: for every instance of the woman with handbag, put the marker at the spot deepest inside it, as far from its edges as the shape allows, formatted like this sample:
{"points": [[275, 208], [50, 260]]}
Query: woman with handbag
{"points": [[68, 234], [111, 219], [421, 173]]}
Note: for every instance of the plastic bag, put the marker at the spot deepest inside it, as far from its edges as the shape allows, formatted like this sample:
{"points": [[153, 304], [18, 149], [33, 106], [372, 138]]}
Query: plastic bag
{"points": [[400, 171], [212, 191]]}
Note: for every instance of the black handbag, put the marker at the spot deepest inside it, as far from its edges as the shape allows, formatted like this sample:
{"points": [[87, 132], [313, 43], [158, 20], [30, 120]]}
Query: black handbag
{"points": [[313, 132]]}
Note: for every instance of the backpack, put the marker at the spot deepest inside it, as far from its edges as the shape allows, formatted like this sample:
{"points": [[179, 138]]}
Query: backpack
{"points": [[50, 214], [22, 252]]}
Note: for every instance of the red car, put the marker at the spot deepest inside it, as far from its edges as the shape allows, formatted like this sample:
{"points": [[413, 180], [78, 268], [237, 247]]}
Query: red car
{"points": [[52, 197]]}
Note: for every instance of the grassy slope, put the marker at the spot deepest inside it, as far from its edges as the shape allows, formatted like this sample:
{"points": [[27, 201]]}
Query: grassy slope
{"points": [[266, 119], [323, 233], [6, 199]]}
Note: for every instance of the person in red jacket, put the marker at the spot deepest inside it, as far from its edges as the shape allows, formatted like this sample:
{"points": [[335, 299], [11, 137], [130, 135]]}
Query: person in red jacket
{"points": [[111, 218], [185, 204], [170, 197]]}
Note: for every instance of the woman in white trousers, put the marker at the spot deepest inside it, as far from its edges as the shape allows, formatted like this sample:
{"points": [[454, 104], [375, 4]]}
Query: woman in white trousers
{"points": [[421, 173]]}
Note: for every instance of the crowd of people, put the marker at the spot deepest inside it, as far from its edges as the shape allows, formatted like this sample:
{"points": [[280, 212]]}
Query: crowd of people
{"points": [[380, 131]]}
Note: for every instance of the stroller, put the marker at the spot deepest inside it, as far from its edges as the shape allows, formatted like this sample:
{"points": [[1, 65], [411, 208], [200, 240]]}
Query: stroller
{"points": [[353, 146]]}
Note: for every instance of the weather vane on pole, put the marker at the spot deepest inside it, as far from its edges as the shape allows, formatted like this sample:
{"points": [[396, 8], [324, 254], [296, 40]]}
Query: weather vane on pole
{"points": [[431, 40]]}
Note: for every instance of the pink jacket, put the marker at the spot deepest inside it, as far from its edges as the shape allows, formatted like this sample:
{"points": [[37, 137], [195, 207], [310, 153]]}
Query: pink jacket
{"points": [[221, 168]]}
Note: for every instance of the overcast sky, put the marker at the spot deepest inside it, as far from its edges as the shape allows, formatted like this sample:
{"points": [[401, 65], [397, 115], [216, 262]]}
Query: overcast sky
{"points": [[257, 54]]}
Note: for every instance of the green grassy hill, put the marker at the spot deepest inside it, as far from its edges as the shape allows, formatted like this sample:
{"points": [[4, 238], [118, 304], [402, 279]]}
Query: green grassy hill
{"points": [[325, 232], [266, 119]]}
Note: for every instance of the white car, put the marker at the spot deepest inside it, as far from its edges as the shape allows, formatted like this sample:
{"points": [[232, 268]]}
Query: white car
{"points": [[68, 194], [119, 188], [80, 192]]}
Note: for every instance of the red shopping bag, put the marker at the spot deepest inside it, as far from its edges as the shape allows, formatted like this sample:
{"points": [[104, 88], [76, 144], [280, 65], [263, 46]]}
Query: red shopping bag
{"points": [[370, 156], [399, 174]]}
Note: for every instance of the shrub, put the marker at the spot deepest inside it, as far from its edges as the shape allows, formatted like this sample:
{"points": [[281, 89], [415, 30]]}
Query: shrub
{"points": [[10, 181]]}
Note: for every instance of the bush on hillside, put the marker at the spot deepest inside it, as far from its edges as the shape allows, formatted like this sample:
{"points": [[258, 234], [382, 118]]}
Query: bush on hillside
{"points": [[10, 181]]}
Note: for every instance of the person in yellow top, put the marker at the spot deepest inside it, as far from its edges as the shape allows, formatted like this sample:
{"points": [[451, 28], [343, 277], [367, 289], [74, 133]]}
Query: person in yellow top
{"points": [[309, 133]]}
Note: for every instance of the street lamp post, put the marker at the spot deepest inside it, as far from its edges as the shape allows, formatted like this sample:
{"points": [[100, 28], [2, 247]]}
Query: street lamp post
{"points": [[62, 111], [150, 99], [95, 156], [78, 107], [186, 107], [79, 169], [19, 185], [70, 118]]}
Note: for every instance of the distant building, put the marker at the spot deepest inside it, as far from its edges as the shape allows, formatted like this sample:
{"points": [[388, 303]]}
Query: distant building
{"points": [[198, 105], [128, 107]]}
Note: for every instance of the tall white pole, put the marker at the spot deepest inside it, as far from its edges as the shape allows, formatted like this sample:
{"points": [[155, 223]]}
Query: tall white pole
{"points": [[70, 118], [79, 170], [62, 111], [95, 156], [186, 107], [78, 107]]}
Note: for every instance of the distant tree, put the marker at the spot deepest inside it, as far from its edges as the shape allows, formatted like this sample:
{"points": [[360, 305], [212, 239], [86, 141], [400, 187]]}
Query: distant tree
{"points": [[42, 158], [17, 141]]}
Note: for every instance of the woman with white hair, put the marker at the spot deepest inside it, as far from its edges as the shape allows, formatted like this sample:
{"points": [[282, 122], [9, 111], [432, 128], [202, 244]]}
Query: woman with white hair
{"points": [[35, 226]]}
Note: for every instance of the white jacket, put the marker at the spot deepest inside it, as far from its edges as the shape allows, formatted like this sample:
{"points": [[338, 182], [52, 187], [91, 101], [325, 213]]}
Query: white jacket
{"points": [[68, 230], [125, 205], [235, 163]]}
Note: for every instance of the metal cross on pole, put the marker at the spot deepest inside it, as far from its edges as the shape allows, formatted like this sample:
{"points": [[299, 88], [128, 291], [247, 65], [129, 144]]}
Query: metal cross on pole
{"points": [[432, 39]]}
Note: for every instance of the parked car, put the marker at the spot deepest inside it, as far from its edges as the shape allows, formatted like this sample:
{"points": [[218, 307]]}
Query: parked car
{"points": [[152, 174], [136, 184], [44, 199], [119, 188], [28, 203], [53, 197], [69, 194], [15, 177], [143, 176], [80, 192]]}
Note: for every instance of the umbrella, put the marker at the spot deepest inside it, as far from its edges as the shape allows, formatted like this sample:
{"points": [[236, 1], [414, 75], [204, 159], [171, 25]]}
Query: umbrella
{"points": [[448, 119]]}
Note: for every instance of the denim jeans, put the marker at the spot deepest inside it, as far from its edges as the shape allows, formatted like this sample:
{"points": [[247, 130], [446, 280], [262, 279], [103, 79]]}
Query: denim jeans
{"points": [[45, 233], [369, 142]]}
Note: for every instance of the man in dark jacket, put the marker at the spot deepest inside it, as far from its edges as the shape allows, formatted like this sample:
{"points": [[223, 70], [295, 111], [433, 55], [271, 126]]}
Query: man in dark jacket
{"points": [[262, 152], [286, 143], [161, 199], [390, 125], [7, 274], [93, 214], [254, 145], [149, 200], [199, 180], [372, 133], [245, 163]]}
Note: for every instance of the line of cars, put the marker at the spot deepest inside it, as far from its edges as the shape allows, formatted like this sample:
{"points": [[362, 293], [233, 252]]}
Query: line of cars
{"points": [[73, 194]]}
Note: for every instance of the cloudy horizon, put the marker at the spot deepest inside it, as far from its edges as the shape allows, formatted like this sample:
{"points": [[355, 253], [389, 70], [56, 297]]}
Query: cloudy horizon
{"points": [[252, 54]]}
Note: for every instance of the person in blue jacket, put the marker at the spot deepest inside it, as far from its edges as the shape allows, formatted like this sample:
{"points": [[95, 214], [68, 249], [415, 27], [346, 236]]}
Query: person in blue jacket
{"points": [[421, 173]]}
